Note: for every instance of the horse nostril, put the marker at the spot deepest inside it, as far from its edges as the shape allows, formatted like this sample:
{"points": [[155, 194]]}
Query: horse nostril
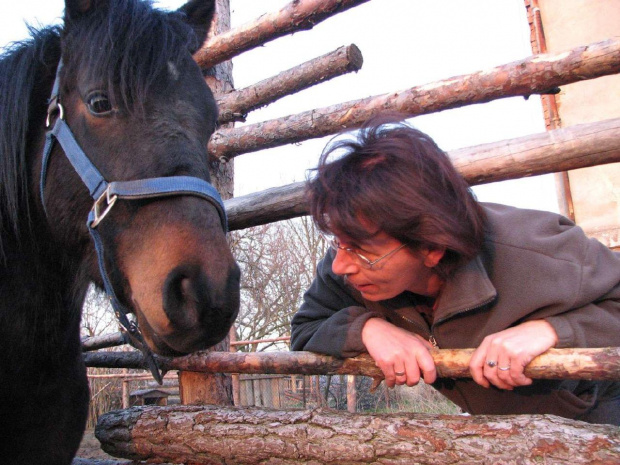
{"points": [[184, 296], [187, 290]]}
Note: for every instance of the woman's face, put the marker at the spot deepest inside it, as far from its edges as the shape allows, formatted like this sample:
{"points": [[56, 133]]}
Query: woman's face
{"points": [[403, 270]]}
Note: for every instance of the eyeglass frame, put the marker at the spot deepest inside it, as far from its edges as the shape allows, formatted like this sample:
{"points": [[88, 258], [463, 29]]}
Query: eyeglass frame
{"points": [[334, 244]]}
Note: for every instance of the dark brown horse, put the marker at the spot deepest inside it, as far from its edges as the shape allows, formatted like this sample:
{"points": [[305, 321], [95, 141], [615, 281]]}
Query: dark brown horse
{"points": [[132, 100]]}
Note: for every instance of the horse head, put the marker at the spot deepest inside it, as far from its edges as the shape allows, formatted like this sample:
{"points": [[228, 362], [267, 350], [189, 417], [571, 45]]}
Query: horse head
{"points": [[138, 107]]}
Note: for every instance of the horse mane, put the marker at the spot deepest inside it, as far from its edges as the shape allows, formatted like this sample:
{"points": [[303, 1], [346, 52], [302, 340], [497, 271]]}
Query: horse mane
{"points": [[125, 45], [26, 70]]}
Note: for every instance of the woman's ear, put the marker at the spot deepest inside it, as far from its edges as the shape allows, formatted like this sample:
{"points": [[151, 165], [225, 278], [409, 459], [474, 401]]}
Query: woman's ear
{"points": [[434, 256]]}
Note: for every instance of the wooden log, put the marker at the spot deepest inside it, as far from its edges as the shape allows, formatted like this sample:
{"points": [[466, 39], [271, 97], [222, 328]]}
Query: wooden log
{"points": [[227, 435], [588, 364], [296, 16], [235, 105], [105, 341], [552, 151], [268, 206], [535, 74]]}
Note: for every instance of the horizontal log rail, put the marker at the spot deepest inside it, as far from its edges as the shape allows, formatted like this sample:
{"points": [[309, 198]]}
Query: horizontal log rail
{"points": [[209, 434], [235, 105], [549, 152], [296, 16], [105, 341], [536, 74], [587, 364]]}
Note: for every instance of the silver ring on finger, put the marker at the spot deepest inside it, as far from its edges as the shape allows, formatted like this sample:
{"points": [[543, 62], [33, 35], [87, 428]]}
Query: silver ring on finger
{"points": [[504, 368], [399, 373], [492, 363]]}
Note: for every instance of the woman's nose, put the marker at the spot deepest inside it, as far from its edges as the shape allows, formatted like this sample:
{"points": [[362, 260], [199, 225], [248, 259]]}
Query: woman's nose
{"points": [[344, 263]]}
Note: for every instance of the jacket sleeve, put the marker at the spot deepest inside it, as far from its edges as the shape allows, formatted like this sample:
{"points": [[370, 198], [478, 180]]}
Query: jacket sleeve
{"points": [[330, 320], [594, 320]]}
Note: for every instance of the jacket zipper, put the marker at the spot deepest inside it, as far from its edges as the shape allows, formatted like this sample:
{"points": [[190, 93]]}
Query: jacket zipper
{"points": [[431, 337]]}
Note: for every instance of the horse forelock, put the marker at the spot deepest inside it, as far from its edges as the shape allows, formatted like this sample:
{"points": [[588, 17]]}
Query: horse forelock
{"points": [[126, 46]]}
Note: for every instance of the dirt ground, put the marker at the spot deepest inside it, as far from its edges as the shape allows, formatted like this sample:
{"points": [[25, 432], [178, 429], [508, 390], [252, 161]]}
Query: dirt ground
{"points": [[90, 447]]}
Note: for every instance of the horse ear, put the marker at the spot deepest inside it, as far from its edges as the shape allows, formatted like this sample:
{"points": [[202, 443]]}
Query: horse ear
{"points": [[76, 8], [199, 14]]}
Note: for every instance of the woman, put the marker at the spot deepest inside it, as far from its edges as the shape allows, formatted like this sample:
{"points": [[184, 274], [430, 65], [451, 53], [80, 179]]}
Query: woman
{"points": [[417, 262]]}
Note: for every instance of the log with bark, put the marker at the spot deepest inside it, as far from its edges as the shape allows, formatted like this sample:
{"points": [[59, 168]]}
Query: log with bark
{"points": [[590, 364], [104, 341], [568, 148], [227, 435], [296, 16], [536, 74], [235, 105]]}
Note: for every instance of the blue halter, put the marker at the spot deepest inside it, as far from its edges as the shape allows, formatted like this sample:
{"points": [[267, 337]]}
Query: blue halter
{"points": [[105, 194]]}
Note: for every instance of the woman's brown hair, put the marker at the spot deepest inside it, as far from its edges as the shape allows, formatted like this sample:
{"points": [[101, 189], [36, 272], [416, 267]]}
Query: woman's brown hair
{"points": [[399, 180]]}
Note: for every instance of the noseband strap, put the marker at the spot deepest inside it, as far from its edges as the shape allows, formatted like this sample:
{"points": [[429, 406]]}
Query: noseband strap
{"points": [[129, 190], [106, 193]]}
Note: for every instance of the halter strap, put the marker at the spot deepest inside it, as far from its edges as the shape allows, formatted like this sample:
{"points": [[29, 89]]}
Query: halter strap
{"points": [[129, 190], [106, 193]]}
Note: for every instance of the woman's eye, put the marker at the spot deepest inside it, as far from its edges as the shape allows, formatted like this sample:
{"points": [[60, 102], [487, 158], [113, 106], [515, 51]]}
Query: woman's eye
{"points": [[99, 104]]}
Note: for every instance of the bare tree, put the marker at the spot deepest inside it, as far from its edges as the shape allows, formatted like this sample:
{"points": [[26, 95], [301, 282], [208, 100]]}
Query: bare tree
{"points": [[278, 262], [97, 315]]}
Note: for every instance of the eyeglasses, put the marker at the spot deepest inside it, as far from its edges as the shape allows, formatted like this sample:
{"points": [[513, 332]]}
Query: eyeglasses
{"points": [[366, 262]]}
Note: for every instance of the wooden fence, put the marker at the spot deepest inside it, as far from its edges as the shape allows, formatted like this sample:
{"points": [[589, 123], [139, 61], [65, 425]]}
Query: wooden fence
{"points": [[209, 434]]}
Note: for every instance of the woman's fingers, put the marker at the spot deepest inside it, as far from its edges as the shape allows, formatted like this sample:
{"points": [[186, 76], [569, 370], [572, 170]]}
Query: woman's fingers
{"points": [[501, 358]]}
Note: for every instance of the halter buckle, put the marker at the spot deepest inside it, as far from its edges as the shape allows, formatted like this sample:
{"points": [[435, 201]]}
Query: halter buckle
{"points": [[105, 202]]}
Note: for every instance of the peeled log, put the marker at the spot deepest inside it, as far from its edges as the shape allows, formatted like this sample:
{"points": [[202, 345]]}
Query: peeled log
{"points": [[568, 148], [535, 74], [228, 435], [236, 104], [591, 364]]}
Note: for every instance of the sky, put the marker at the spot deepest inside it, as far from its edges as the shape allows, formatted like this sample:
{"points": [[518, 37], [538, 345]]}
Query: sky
{"points": [[405, 43]]}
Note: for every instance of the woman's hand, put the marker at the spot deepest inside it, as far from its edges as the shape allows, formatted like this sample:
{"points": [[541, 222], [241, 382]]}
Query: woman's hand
{"points": [[399, 354], [502, 357]]}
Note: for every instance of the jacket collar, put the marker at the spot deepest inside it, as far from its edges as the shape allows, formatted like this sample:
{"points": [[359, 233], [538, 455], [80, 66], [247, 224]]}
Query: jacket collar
{"points": [[469, 288]]}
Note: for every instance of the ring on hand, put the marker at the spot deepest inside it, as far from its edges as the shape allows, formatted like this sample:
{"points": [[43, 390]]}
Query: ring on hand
{"points": [[399, 373], [492, 363], [504, 368]]}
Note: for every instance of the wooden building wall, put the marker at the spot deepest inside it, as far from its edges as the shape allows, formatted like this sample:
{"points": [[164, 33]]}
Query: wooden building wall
{"points": [[557, 25]]}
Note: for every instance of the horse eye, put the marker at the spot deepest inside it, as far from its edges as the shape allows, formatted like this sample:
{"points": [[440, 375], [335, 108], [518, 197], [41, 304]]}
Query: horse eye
{"points": [[99, 104]]}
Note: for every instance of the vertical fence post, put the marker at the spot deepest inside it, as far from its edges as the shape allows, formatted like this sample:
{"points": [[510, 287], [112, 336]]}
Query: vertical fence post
{"points": [[201, 387], [235, 377], [125, 389], [351, 394]]}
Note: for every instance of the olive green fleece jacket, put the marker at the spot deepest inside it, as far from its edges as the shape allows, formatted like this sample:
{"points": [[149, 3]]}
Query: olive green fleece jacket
{"points": [[533, 265]]}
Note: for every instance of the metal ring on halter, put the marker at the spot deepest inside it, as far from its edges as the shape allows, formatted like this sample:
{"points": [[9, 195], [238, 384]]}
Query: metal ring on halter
{"points": [[504, 368], [55, 105], [492, 363]]}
